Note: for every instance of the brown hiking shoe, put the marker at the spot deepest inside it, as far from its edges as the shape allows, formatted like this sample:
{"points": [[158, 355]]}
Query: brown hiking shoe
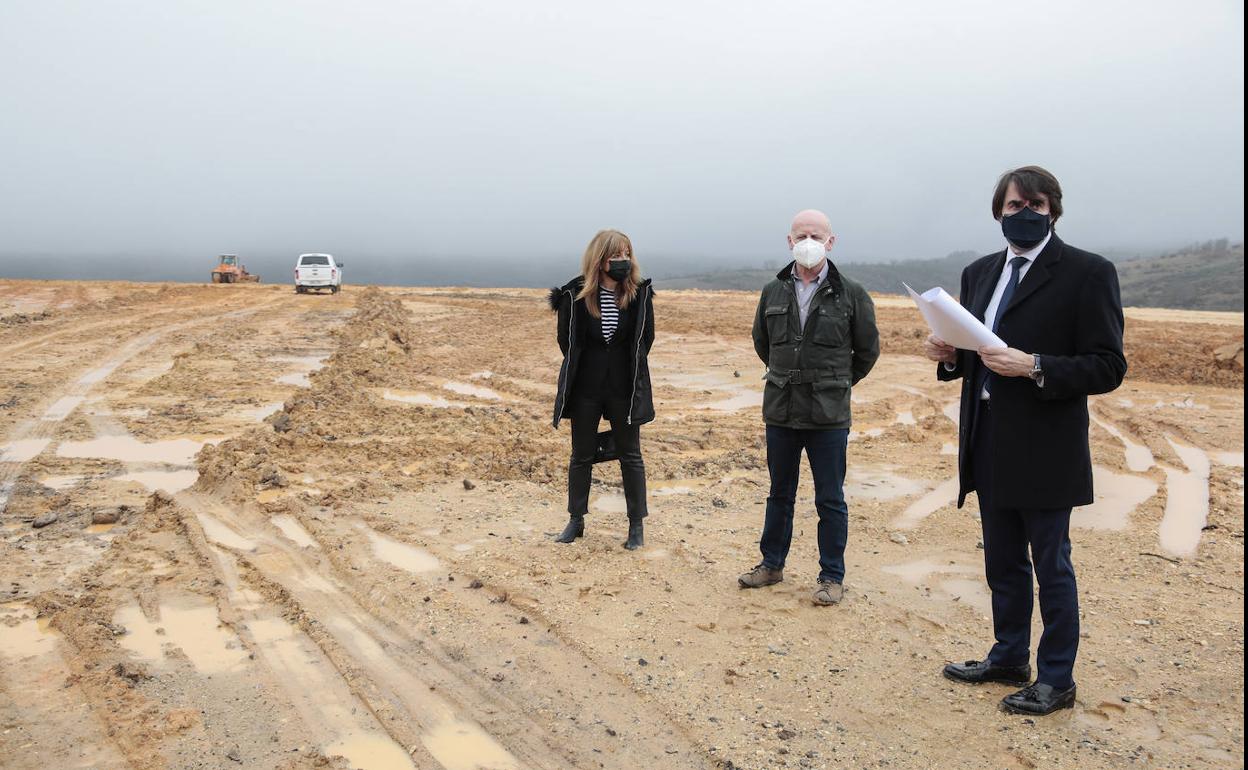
{"points": [[828, 592], [760, 576]]}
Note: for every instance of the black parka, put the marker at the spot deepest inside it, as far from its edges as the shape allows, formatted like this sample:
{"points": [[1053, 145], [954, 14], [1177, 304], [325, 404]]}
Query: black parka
{"points": [[573, 326]]}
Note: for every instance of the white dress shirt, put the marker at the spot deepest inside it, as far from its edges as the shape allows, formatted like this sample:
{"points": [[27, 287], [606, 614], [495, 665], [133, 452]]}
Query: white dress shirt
{"points": [[1002, 281], [1030, 255]]}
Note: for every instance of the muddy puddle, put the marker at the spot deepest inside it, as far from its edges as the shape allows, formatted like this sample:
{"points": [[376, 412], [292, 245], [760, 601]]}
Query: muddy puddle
{"points": [[168, 481], [62, 408], [302, 366], [1139, 457], [468, 389], [739, 394], [298, 379], [744, 400], [856, 435], [461, 745], [322, 699], [371, 751], [98, 375], [128, 449], [614, 502], [401, 555], [666, 489], [1187, 502], [419, 399], [944, 494], [294, 531], [62, 483], [217, 532], [952, 410], [953, 582], [880, 484], [263, 412], [1229, 459], [1117, 497], [23, 450], [22, 635], [187, 624]]}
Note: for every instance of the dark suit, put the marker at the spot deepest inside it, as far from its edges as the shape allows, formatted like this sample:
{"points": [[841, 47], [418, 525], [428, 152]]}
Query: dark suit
{"points": [[1025, 452]]}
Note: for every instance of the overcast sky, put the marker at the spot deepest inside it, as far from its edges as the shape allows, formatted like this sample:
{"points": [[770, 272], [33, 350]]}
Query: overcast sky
{"points": [[513, 130]]}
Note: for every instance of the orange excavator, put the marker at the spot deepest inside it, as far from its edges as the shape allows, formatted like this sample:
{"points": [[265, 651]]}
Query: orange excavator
{"points": [[228, 270]]}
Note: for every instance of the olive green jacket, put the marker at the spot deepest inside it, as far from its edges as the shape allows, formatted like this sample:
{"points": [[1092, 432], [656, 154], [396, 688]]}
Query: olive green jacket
{"points": [[810, 370]]}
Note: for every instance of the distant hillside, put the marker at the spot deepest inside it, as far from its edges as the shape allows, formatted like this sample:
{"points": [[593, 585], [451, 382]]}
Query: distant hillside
{"points": [[885, 278], [1206, 276]]}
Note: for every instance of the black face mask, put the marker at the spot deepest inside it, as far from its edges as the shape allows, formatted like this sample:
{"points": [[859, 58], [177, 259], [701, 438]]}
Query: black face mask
{"points": [[619, 269], [1026, 228]]}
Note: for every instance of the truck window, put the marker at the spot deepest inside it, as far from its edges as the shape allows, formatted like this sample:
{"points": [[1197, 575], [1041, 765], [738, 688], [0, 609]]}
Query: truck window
{"points": [[314, 261]]}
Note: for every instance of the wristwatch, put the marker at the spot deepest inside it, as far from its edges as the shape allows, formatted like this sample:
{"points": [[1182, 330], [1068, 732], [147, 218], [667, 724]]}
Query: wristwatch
{"points": [[1036, 373]]}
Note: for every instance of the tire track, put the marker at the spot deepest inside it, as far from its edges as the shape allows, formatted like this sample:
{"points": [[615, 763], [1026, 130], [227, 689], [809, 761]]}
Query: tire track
{"points": [[32, 437]]}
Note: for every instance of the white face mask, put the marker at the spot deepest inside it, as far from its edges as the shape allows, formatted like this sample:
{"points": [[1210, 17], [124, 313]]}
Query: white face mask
{"points": [[809, 252]]}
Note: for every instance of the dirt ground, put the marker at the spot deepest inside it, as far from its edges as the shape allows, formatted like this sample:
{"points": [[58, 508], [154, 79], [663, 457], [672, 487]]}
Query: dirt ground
{"points": [[241, 527]]}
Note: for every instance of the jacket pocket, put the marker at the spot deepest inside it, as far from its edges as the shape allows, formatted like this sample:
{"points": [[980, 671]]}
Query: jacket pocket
{"points": [[776, 396], [829, 402], [831, 327], [777, 317]]}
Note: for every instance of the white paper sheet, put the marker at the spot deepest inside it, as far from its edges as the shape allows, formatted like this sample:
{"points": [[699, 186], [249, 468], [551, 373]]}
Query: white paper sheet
{"points": [[951, 322]]}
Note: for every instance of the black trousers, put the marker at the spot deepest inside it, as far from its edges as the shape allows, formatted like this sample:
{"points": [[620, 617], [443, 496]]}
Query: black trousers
{"points": [[586, 414], [1008, 535]]}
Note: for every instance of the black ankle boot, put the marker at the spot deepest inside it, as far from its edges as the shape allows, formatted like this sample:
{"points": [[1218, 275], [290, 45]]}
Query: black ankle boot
{"points": [[636, 534], [575, 529]]}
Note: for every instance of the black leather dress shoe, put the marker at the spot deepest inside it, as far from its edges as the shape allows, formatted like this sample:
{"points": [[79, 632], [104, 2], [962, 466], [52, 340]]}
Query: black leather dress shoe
{"points": [[980, 671], [1039, 699]]}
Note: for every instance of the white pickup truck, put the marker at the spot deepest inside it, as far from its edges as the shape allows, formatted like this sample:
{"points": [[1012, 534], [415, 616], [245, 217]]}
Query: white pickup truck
{"points": [[317, 271]]}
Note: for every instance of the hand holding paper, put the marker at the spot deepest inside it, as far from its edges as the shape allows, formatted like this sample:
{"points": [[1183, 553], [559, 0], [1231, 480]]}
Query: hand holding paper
{"points": [[951, 322]]}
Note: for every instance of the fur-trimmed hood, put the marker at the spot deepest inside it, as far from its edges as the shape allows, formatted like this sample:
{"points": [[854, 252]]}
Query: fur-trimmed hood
{"points": [[556, 292], [553, 297]]}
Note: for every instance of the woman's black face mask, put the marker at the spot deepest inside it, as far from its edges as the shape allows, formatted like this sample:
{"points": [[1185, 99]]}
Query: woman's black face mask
{"points": [[619, 269]]}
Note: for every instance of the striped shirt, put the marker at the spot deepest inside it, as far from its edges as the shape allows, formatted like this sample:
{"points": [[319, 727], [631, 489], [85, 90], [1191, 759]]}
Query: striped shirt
{"points": [[610, 312]]}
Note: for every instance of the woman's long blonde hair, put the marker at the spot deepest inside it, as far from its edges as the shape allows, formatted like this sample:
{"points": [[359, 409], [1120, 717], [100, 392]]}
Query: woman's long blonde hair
{"points": [[606, 244]]}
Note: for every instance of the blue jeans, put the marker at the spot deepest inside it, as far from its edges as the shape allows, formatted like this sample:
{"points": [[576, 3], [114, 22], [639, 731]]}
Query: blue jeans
{"points": [[825, 449]]}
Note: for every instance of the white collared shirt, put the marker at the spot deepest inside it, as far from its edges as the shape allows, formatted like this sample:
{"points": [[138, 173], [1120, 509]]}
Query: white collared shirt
{"points": [[806, 291], [1030, 255]]}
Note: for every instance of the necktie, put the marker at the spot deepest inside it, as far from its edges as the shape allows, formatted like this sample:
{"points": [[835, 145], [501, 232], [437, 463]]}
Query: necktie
{"points": [[1016, 264]]}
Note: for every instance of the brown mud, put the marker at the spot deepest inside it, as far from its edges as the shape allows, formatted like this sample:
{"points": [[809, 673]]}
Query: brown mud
{"points": [[244, 527]]}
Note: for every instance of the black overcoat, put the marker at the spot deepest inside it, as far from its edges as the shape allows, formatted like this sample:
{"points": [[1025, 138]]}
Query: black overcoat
{"points": [[1067, 308]]}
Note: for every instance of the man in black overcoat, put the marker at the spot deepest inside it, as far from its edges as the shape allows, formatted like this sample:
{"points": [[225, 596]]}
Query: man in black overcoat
{"points": [[1023, 430]]}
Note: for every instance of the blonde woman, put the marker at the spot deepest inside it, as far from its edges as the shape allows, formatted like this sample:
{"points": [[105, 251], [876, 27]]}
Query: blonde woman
{"points": [[605, 329]]}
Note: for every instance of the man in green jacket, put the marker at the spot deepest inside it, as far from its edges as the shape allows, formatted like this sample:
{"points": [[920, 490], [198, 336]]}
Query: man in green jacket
{"points": [[815, 330]]}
